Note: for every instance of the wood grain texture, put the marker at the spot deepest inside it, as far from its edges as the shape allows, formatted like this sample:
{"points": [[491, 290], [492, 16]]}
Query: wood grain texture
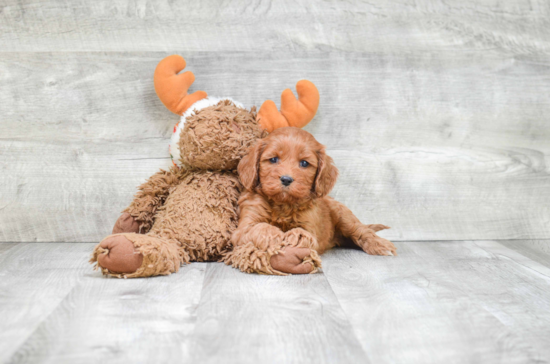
{"points": [[515, 26], [436, 166], [537, 250], [34, 280], [4, 247], [250, 318], [459, 302], [435, 112], [120, 321], [436, 302]]}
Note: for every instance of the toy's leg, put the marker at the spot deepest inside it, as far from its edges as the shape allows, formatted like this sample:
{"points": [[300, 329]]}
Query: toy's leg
{"points": [[265, 249], [135, 255]]}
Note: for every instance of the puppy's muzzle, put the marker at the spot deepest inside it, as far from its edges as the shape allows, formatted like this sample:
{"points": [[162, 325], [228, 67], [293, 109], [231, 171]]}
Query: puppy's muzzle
{"points": [[286, 180]]}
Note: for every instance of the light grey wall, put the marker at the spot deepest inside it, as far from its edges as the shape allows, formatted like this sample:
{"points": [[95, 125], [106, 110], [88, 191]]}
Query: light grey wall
{"points": [[436, 112]]}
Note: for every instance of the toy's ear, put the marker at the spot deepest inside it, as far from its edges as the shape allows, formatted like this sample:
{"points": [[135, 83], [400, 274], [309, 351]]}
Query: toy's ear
{"points": [[249, 166], [171, 87], [294, 112], [327, 174]]}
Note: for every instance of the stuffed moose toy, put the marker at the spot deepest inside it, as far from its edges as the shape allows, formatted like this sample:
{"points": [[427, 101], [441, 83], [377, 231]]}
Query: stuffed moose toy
{"points": [[189, 212]]}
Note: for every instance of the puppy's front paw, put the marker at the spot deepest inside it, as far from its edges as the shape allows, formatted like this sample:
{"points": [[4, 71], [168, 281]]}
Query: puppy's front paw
{"points": [[299, 237], [296, 260], [379, 246]]}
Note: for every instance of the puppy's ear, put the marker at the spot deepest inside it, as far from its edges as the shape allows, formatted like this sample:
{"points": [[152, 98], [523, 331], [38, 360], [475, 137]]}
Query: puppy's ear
{"points": [[249, 166], [327, 174]]}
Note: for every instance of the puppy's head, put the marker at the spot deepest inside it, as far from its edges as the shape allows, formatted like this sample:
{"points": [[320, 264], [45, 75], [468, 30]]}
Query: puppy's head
{"points": [[288, 166]]}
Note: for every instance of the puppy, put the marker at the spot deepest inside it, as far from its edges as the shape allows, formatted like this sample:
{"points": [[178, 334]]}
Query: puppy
{"points": [[286, 218]]}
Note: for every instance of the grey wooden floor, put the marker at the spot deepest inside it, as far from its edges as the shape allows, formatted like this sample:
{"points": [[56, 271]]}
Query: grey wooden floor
{"points": [[437, 302]]}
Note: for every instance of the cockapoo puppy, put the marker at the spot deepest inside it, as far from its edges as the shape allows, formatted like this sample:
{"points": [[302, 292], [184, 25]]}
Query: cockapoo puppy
{"points": [[286, 218]]}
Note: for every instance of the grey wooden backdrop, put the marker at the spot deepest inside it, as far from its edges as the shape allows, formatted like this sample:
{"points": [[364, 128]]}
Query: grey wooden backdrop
{"points": [[436, 112]]}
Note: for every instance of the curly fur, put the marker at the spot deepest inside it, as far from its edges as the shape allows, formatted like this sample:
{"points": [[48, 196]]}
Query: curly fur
{"points": [[274, 217], [151, 195], [189, 214], [200, 214], [218, 136]]}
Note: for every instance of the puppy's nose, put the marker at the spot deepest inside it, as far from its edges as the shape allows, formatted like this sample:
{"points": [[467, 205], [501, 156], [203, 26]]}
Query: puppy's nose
{"points": [[286, 180]]}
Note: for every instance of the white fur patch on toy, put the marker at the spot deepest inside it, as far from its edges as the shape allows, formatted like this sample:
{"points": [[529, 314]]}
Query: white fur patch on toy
{"points": [[192, 110]]}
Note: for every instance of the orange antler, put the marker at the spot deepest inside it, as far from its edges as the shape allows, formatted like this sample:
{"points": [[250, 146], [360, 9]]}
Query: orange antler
{"points": [[172, 87], [293, 112]]}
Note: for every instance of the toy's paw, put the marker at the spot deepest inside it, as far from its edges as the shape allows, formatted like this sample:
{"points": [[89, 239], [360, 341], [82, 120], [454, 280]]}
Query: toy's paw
{"points": [[118, 255], [126, 224], [379, 246], [295, 260]]}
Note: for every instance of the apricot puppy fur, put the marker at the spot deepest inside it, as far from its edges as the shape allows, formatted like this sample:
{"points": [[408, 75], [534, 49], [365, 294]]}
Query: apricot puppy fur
{"points": [[286, 218]]}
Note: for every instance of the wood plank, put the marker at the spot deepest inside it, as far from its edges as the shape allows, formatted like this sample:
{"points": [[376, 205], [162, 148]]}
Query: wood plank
{"points": [[412, 134], [77, 190], [537, 250], [4, 247], [34, 279], [444, 302], [248, 318], [461, 301], [513, 26], [505, 253], [120, 321]]}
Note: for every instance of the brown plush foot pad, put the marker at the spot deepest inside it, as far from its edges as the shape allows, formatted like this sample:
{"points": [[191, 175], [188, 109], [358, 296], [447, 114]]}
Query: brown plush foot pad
{"points": [[126, 224], [120, 256], [290, 260]]}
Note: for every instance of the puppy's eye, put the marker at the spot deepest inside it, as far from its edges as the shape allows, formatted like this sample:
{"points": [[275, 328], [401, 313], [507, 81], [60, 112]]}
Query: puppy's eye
{"points": [[304, 164], [274, 160]]}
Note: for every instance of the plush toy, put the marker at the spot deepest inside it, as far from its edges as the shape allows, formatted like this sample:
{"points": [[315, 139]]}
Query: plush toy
{"points": [[189, 212]]}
